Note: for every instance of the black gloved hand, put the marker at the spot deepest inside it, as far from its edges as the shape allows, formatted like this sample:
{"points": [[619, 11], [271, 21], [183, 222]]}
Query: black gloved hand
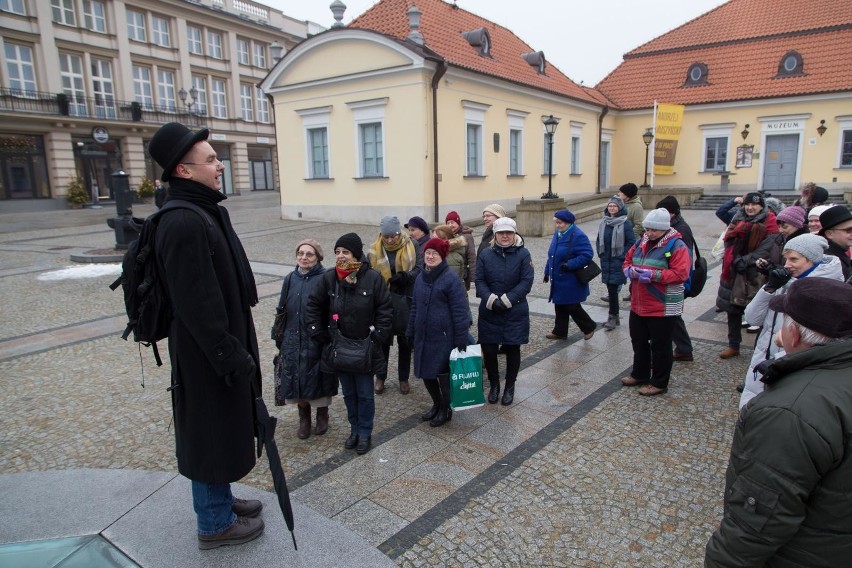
{"points": [[498, 306], [399, 279], [546, 278], [778, 276], [410, 340], [322, 338], [462, 347], [564, 267], [275, 359], [740, 265], [246, 372]]}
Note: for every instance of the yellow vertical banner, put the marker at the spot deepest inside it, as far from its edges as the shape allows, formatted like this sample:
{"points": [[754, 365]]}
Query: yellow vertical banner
{"points": [[669, 124]]}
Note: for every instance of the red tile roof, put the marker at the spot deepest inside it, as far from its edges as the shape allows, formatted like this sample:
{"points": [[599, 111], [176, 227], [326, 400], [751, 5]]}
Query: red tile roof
{"points": [[742, 43], [442, 25]]}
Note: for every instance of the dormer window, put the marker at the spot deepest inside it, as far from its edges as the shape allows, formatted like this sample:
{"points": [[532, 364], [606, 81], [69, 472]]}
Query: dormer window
{"points": [[536, 59], [696, 75], [791, 65], [479, 38]]}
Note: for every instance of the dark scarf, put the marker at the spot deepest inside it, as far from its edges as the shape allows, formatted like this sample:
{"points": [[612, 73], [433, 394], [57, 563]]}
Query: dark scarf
{"points": [[744, 235], [429, 275], [208, 199]]}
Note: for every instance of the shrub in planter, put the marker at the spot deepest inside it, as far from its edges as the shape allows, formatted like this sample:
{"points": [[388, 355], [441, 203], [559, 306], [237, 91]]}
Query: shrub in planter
{"points": [[76, 193], [146, 189]]}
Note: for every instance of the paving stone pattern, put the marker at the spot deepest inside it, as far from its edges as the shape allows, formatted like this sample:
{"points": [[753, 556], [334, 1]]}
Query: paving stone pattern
{"points": [[578, 472]]}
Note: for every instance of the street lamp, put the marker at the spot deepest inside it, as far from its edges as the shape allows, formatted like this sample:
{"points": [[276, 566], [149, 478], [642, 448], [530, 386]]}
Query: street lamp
{"points": [[550, 127], [193, 97], [647, 138]]}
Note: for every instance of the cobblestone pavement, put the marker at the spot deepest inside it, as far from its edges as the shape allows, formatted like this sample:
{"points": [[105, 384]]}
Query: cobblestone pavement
{"points": [[578, 472]]}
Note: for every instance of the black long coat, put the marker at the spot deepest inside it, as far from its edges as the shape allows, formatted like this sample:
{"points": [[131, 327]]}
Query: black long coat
{"points": [[212, 290]]}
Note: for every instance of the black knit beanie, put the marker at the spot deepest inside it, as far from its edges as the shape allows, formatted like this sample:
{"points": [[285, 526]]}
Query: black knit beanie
{"points": [[352, 243]]}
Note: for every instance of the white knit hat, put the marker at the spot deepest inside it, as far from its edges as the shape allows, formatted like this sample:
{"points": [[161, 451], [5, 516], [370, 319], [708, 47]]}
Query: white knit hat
{"points": [[812, 247], [658, 219], [818, 210]]}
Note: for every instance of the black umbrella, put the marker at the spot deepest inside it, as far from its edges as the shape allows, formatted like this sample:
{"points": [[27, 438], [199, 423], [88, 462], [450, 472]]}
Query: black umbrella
{"points": [[266, 435]]}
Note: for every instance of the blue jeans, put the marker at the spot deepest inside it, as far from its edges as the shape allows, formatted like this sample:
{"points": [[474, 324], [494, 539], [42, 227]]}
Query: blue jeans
{"points": [[360, 402], [212, 503]]}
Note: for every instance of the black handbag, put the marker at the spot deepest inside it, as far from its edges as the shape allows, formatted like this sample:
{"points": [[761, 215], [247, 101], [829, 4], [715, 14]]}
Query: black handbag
{"points": [[588, 272], [351, 355], [277, 332]]}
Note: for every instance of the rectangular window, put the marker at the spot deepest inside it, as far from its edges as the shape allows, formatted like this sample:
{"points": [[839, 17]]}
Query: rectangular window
{"points": [[94, 15], [143, 93], [246, 100], [716, 154], [318, 144], [20, 68], [259, 55], [13, 6], [193, 40], [103, 89], [136, 26], [515, 160], [473, 147], [242, 51], [71, 71], [200, 84], [218, 101], [63, 12], [575, 155], [372, 153], [214, 44], [846, 149], [160, 31], [166, 90], [262, 105]]}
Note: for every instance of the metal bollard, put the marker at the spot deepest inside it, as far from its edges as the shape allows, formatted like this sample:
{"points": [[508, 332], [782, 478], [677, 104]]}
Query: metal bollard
{"points": [[125, 226]]}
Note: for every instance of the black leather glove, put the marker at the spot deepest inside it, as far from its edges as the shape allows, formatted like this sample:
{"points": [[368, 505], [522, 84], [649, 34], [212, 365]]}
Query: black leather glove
{"points": [[498, 306], [246, 372], [564, 267], [546, 278], [778, 276], [462, 347], [399, 279], [740, 265]]}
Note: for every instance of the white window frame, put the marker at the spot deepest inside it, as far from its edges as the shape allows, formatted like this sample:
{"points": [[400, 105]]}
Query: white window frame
{"points": [[844, 126], [166, 95], [243, 51], [64, 12], [218, 98], [194, 40], [246, 102], [143, 90], [160, 33], [94, 16], [103, 88], [262, 105], [474, 138], [73, 82], [214, 44], [20, 68], [13, 7], [316, 119], [200, 84], [370, 112], [516, 120], [136, 26], [576, 148], [709, 131], [259, 51]]}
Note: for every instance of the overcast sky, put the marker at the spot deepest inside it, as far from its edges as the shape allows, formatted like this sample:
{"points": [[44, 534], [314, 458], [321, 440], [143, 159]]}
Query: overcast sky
{"points": [[584, 39]]}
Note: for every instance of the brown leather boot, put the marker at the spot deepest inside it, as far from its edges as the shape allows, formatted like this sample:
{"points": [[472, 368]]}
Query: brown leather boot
{"points": [[304, 420], [322, 421]]}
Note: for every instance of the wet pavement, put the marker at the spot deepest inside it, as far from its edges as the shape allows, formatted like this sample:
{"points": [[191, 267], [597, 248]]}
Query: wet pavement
{"points": [[577, 472]]}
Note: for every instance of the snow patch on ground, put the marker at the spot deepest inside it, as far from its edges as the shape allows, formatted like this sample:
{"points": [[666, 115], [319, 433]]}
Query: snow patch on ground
{"points": [[82, 271]]}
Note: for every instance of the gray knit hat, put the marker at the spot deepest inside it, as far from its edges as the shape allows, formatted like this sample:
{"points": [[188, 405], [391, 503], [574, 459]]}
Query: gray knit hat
{"points": [[617, 200], [389, 225], [658, 219], [810, 246], [495, 209]]}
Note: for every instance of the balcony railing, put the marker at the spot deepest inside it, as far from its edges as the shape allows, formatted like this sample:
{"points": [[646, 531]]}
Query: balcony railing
{"points": [[99, 108]]}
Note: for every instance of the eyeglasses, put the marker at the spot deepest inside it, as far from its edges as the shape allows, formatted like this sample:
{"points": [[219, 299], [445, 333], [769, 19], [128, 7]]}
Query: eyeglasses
{"points": [[431, 253], [215, 162], [306, 254], [847, 230]]}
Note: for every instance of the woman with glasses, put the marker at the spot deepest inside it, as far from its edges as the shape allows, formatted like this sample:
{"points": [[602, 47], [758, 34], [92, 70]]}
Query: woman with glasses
{"points": [[298, 378]]}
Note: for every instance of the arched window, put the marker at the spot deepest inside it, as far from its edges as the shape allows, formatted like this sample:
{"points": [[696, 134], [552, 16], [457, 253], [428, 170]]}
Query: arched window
{"points": [[696, 75], [791, 65]]}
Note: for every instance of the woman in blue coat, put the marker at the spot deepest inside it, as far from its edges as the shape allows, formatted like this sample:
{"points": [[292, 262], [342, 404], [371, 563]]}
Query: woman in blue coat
{"points": [[298, 378], [615, 237], [437, 322], [504, 277], [569, 251]]}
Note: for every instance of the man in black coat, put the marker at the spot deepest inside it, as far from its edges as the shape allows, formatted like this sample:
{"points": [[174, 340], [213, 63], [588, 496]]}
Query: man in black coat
{"points": [[837, 229], [680, 336], [212, 343]]}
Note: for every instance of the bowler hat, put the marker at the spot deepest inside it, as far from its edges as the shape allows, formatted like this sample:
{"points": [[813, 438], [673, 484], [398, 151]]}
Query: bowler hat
{"points": [[171, 143], [820, 304], [833, 216]]}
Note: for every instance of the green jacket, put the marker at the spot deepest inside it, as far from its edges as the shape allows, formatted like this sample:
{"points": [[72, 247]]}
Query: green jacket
{"points": [[635, 214], [788, 489]]}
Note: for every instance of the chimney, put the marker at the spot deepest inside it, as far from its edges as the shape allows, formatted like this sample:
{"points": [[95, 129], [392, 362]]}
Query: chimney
{"points": [[414, 21]]}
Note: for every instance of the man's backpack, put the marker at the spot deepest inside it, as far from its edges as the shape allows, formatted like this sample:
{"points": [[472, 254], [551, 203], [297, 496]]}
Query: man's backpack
{"points": [[697, 276], [146, 300]]}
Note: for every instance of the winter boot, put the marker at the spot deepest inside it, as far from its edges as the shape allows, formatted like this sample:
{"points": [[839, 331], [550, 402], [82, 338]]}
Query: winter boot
{"points": [[445, 413], [322, 421], [508, 393], [434, 390], [494, 391], [611, 322], [304, 420]]}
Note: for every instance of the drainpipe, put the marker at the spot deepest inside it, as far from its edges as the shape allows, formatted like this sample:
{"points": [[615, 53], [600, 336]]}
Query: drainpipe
{"points": [[600, 139], [436, 79]]}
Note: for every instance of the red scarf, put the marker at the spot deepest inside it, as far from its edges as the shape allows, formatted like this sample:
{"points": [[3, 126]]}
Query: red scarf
{"points": [[743, 237], [346, 267]]}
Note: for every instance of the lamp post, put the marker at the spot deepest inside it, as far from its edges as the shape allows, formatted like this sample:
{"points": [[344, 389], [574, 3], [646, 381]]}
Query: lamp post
{"points": [[550, 127], [193, 97], [647, 138]]}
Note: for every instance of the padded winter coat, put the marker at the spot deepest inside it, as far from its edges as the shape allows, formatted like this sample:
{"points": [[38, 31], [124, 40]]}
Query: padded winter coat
{"points": [[787, 492], [611, 272], [568, 252], [507, 271], [663, 296]]}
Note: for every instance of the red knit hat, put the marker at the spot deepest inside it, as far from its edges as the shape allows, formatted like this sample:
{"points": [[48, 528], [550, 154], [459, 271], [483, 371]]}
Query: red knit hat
{"points": [[453, 216], [440, 246]]}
